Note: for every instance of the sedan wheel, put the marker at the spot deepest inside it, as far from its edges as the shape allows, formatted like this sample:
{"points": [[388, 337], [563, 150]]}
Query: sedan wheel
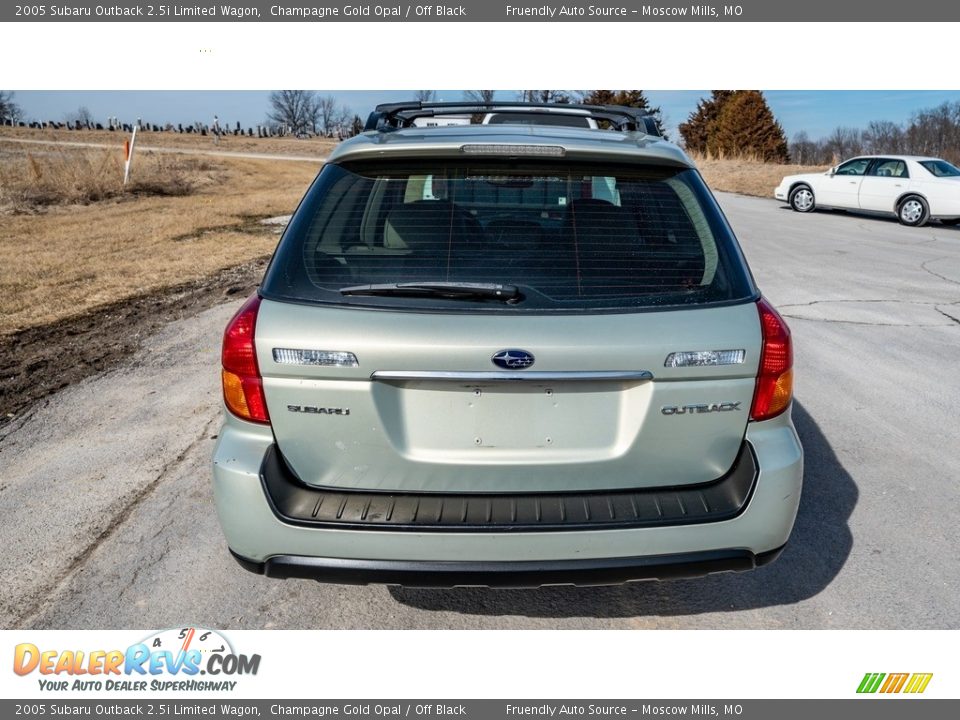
{"points": [[801, 199], [913, 211]]}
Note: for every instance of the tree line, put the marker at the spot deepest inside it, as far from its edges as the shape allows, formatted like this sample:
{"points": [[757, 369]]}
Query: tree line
{"points": [[727, 124], [932, 131], [303, 112], [740, 124]]}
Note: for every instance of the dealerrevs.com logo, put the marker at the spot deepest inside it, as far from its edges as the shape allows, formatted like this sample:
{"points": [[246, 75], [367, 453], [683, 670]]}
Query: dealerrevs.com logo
{"points": [[179, 659]]}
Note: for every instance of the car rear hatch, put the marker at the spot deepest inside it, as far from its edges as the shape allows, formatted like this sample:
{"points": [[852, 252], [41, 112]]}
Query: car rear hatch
{"points": [[621, 349], [425, 410]]}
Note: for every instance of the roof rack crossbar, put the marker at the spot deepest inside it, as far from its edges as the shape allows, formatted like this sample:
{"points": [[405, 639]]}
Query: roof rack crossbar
{"points": [[393, 116]]}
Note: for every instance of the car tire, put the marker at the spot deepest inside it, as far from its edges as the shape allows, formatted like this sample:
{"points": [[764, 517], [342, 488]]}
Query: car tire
{"points": [[802, 199], [913, 211], [951, 221]]}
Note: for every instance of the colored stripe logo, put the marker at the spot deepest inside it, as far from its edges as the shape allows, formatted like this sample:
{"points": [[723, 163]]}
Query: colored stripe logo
{"points": [[913, 683]]}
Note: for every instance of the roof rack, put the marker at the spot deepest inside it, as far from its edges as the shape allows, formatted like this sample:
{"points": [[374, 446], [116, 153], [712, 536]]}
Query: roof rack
{"points": [[393, 116]]}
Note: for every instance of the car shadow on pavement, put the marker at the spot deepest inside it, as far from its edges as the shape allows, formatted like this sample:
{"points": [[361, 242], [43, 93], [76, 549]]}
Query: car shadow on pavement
{"points": [[817, 550], [888, 219]]}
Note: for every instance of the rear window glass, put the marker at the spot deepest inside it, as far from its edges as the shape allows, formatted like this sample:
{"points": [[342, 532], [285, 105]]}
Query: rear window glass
{"points": [[530, 118], [570, 237]]}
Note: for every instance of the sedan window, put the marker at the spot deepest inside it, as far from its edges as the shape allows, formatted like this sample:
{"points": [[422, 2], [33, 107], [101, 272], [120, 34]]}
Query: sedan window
{"points": [[889, 168], [854, 167], [940, 168]]}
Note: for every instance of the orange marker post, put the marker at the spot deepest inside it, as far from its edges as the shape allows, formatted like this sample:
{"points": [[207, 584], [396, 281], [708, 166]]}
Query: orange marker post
{"points": [[128, 154]]}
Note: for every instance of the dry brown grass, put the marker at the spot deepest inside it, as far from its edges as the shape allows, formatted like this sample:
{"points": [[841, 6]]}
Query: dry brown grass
{"points": [[32, 180], [747, 176], [311, 147], [73, 257]]}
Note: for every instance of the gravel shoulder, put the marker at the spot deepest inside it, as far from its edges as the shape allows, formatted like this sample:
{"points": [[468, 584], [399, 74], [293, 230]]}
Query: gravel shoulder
{"points": [[39, 361]]}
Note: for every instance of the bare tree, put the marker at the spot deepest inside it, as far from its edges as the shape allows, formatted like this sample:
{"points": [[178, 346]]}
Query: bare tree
{"points": [[935, 131], [545, 96], [295, 110], [81, 117], [10, 112], [327, 112], [843, 142], [479, 96], [424, 95], [356, 126], [803, 150], [931, 131], [344, 120], [882, 137]]}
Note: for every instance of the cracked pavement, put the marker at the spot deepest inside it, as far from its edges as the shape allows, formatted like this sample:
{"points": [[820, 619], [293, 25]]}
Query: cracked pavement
{"points": [[108, 517]]}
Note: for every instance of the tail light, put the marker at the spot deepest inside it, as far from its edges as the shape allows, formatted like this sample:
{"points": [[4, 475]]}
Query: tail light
{"points": [[775, 379], [242, 386]]}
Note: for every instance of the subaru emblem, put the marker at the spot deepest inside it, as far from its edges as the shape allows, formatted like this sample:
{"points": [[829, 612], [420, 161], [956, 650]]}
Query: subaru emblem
{"points": [[513, 359]]}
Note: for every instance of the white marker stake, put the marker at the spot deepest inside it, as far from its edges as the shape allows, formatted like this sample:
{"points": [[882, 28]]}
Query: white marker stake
{"points": [[129, 152]]}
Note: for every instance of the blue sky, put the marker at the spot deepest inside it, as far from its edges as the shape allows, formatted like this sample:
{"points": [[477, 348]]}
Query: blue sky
{"points": [[816, 111]]}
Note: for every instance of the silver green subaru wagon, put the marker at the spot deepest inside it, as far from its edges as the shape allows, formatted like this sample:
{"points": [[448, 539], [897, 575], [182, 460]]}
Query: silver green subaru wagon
{"points": [[512, 354]]}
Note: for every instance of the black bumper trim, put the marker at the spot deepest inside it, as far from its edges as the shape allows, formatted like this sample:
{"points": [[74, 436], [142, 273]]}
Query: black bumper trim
{"points": [[295, 503], [517, 574]]}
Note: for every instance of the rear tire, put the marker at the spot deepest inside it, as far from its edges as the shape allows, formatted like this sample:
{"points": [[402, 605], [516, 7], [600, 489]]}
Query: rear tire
{"points": [[913, 211], [802, 199]]}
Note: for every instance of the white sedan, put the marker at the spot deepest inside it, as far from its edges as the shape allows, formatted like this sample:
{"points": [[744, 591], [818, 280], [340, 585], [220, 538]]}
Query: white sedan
{"points": [[915, 189]]}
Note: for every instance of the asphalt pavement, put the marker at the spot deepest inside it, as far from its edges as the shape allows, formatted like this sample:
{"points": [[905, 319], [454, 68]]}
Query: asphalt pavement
{"points": [[108, 518]]}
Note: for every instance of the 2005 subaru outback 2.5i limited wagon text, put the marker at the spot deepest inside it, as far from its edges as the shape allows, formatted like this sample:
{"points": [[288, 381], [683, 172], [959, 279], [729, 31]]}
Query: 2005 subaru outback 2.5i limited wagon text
{"points": [[507, 355]]}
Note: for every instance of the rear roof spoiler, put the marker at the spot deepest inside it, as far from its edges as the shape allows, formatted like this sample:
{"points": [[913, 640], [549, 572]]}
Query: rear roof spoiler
{"points": [[393, 116]]}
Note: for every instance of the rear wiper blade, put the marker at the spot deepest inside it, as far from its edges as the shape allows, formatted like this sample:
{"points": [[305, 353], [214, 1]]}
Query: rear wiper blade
{"points": [[454, 290]]}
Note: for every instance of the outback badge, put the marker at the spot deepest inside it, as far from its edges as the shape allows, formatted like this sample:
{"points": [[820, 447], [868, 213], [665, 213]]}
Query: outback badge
{"points": [[690, 409]]}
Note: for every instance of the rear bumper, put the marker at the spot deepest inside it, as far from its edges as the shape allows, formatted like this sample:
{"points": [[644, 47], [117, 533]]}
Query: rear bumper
{"points": [[522, 574], [267, 543], [294, 503]]}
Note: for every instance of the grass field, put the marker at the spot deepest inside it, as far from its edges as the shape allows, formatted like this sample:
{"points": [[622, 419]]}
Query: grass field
{"points": [[314, 147], [748, 177], [64, 259], [36, 177]]}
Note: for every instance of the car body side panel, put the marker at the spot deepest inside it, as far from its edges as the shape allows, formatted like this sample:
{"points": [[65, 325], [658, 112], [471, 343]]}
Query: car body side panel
{"points": [[879, 194], [941, 194], [839, 191]]}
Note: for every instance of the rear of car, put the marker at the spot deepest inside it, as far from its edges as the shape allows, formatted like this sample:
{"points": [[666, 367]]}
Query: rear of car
{"points": [[507, 356]]}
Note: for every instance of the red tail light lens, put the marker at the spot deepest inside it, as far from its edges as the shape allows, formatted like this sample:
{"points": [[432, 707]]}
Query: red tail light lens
{"points": [[242, 386], [775, 379]]}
